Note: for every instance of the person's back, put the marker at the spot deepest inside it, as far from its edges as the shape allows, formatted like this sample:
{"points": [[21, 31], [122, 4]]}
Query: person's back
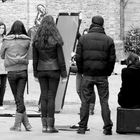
{"points": [[129, 92], [95, 59], [16, 52], [96, 50]]}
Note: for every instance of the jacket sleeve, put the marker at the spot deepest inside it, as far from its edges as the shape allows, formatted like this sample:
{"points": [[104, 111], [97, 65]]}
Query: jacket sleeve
{"points": [[2, 51], [35, 60], [61, 61], [111, 59], [78, 58]]}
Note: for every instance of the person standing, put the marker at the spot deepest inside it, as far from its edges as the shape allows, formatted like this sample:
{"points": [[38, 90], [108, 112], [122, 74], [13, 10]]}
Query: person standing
{"points": [[95, 59], [129, 96], [41, 12], [48, 66], [14, 51], [3, 73], [78, 83]]}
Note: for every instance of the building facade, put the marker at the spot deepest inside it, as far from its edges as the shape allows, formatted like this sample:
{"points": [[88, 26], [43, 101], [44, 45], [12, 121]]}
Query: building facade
{"points": [[119, 15]]}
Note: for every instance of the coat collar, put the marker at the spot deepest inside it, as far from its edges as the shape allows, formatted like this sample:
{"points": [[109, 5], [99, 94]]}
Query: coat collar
{"points": [[10, 37], [96, 28]]}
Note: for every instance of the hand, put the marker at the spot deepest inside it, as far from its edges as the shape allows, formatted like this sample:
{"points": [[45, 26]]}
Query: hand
{"points": [[64, 80]]}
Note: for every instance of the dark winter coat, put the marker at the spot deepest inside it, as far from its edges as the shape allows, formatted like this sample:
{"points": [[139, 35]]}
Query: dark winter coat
{"points": [[129, 95], [95, 54]]}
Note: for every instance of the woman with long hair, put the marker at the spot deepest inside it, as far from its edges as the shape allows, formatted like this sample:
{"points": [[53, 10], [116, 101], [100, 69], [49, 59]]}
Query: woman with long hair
{"points": [[15, 54], [48, 66], [3, 73]]}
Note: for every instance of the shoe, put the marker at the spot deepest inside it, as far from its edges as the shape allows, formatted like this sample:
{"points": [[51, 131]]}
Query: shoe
{"points": [[74, 126], [107, 132], [50, 125], [81, 131]]}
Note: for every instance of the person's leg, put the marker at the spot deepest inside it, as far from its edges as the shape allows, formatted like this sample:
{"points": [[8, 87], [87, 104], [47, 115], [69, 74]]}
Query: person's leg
{"points": [[78, 83], [86, 92], [21, 83], [39, 103], [3, 79], [53, 85], [43, 81], [103, 91], [13, 84], [92, 103]]}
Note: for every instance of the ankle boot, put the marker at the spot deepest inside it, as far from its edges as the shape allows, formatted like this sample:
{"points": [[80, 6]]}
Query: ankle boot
{"points": [[91, 109], [26, 123], [17, 124], [51, 128], [44, 124]]}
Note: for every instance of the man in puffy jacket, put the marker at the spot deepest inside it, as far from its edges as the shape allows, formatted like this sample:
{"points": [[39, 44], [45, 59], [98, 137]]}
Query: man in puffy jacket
{"points": [[95, 58]]}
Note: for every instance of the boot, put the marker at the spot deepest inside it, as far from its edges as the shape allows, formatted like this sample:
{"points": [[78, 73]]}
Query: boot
{"points": [[17, 124], [26, 123], [51, 128], [44, 124], [91, 109]]}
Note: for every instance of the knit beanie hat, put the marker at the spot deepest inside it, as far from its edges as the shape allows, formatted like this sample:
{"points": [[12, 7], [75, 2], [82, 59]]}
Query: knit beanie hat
{"points": [[98, 20]]}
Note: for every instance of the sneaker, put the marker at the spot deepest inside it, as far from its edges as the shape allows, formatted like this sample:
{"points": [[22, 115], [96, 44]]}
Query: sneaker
{"points": [[107, 132], [81, 131]]}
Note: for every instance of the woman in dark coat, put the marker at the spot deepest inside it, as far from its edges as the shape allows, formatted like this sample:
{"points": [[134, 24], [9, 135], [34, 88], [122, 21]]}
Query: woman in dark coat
{"points": [[48, 66], [129, 95]]}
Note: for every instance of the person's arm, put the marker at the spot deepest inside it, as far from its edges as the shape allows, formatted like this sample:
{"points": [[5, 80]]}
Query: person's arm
{"points": [[2, 51], [112, 58], [35, 60], [78, 58], [61, 61]]}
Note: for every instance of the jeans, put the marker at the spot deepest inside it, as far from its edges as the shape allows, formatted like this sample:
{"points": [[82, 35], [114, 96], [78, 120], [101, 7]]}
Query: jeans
{"points": [[48, 81], [3, 79], [78, 87], [86, 92], [17, 81]]}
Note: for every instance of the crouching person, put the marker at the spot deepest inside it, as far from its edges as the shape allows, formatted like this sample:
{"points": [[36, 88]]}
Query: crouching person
{"points": [[129, 96], [14, 50]]}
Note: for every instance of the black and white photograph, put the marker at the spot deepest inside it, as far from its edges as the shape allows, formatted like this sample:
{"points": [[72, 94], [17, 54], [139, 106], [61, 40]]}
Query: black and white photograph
{"points": [[69, 69]]}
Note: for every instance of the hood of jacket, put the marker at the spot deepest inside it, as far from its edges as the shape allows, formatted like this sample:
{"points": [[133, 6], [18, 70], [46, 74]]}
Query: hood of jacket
{"points": [[96, 28]]}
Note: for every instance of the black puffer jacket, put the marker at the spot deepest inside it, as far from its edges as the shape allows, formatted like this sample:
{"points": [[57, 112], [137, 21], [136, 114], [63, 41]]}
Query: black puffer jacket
{"points": [[129, 95], [95, 54]]}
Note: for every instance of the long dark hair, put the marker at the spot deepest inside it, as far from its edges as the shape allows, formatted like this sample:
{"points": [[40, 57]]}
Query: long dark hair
{"points": [[47, 34], [1, 23], [18, 28]]}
